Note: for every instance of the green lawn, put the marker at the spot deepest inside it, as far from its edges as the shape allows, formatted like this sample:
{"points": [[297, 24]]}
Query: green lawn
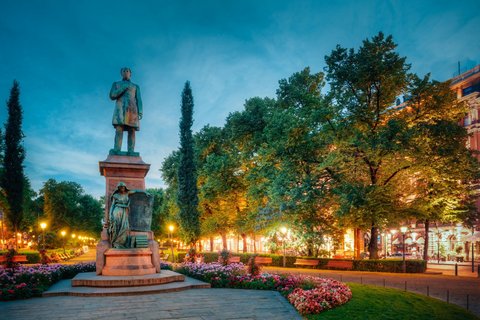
{"points": [[371, 302]]}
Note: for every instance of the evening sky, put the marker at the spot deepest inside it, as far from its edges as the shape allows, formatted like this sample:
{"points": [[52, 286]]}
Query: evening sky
{"points": [[66, 54]]}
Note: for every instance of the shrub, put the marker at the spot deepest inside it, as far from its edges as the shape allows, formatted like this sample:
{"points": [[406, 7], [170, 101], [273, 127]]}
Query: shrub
{"points": [[413, 266], [388, 265], [224, 256], [252, 267]]}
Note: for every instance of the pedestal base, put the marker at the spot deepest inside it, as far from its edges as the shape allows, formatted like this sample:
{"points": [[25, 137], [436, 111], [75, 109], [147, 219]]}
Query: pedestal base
{"points": [[128, 262]]}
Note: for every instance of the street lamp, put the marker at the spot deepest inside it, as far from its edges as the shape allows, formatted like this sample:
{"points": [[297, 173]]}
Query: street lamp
{"points": [[438, 246], [392, 232], [403, 230], [170, 234], [284, 233], [43, 225], [384, 245], [63, 233], [73, 240]]}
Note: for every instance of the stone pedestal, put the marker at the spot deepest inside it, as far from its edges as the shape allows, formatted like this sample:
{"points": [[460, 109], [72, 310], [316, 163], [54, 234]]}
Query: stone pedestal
{"points": [[128, 169], [132, 171], [128, 262]]}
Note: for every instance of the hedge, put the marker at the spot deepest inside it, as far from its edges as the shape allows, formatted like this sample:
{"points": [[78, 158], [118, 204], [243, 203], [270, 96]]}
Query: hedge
{"points": [[32, 256], [412, 266]]}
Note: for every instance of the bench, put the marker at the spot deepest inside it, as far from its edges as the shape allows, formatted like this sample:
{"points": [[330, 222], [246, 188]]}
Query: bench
{"points": [[19, 258], [235, 259], [307, 262], [340, 264], [263, 260]]}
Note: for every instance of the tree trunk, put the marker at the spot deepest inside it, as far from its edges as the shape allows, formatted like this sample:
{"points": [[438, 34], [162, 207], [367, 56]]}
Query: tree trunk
{"points": [[244, 239], [254, 244], [211, 244], [373, 245], [224, 240], [16, 239], [425, 245], [309, 248]]}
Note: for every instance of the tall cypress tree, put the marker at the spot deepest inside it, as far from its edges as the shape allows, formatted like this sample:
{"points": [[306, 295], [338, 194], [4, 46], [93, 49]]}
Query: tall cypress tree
{"points": [[187, 178], [13, 178]]}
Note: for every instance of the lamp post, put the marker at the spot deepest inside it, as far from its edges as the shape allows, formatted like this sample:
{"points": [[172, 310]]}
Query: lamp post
{"points": [[473, 251], [73, 240], [384, 245], [63, 233], [392, 232], [43, 225], [403, 230], [438, 247], [284, 233], [170, 234]]}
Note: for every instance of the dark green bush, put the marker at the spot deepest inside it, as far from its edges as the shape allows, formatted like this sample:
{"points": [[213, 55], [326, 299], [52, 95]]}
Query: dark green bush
{"points": [[413, 266]]}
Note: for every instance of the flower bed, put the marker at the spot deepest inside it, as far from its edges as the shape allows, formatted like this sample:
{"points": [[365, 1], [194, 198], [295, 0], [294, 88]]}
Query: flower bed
{"points": [[24, 282], [306, 293]]}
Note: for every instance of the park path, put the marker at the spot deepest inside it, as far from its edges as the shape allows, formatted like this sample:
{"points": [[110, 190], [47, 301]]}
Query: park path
{"points": [[195, 304]]}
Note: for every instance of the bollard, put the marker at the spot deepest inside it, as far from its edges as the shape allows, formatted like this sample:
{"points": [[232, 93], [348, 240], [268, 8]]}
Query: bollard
{"points": [[405, 286], [448, 296], [456, 269], [428, 291]]}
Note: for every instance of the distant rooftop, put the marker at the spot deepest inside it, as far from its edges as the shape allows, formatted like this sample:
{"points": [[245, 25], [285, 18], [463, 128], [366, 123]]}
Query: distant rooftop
{"points": [[465, 75]]}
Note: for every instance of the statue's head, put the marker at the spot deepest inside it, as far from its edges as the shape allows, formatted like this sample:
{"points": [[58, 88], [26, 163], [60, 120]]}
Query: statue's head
{"points": [[126, 73], [121, 186]]}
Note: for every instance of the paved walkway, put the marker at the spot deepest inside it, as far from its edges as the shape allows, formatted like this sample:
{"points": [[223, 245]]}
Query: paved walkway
{"points": [[195, 304]]}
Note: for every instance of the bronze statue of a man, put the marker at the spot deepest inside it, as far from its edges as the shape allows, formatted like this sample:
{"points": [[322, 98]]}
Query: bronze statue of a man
{"points": [[128, 110]]}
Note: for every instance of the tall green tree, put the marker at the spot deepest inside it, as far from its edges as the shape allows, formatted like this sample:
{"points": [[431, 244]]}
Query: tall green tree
{"points": [[364, 85], [67, 206], [187, 176], [13, 177], [159, 214]]}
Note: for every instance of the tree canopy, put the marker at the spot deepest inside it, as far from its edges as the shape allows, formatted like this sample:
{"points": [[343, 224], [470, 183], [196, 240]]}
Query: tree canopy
{"points": [[351, 156]]}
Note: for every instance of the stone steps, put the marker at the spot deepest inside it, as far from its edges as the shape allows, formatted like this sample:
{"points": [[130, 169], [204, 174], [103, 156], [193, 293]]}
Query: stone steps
{"points": [[90, 279], [91, 285]]}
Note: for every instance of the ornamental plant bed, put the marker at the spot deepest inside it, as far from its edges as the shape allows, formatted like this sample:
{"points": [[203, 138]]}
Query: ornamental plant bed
{"points": [[309, 295], [24, 282]]}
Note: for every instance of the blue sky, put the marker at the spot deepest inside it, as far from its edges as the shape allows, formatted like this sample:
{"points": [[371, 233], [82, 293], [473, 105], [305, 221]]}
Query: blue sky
{"points": [[66, 54]]}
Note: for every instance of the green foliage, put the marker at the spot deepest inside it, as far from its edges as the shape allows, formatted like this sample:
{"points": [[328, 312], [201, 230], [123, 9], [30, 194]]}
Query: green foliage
{"points": [[12, 180], [187, 198], [412, 266], [349, 158], [67, 206], [395, 266], [159, 212]]}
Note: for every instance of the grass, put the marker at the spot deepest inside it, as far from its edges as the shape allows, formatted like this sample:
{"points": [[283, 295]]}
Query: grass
{"points": [[371, 302]]}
